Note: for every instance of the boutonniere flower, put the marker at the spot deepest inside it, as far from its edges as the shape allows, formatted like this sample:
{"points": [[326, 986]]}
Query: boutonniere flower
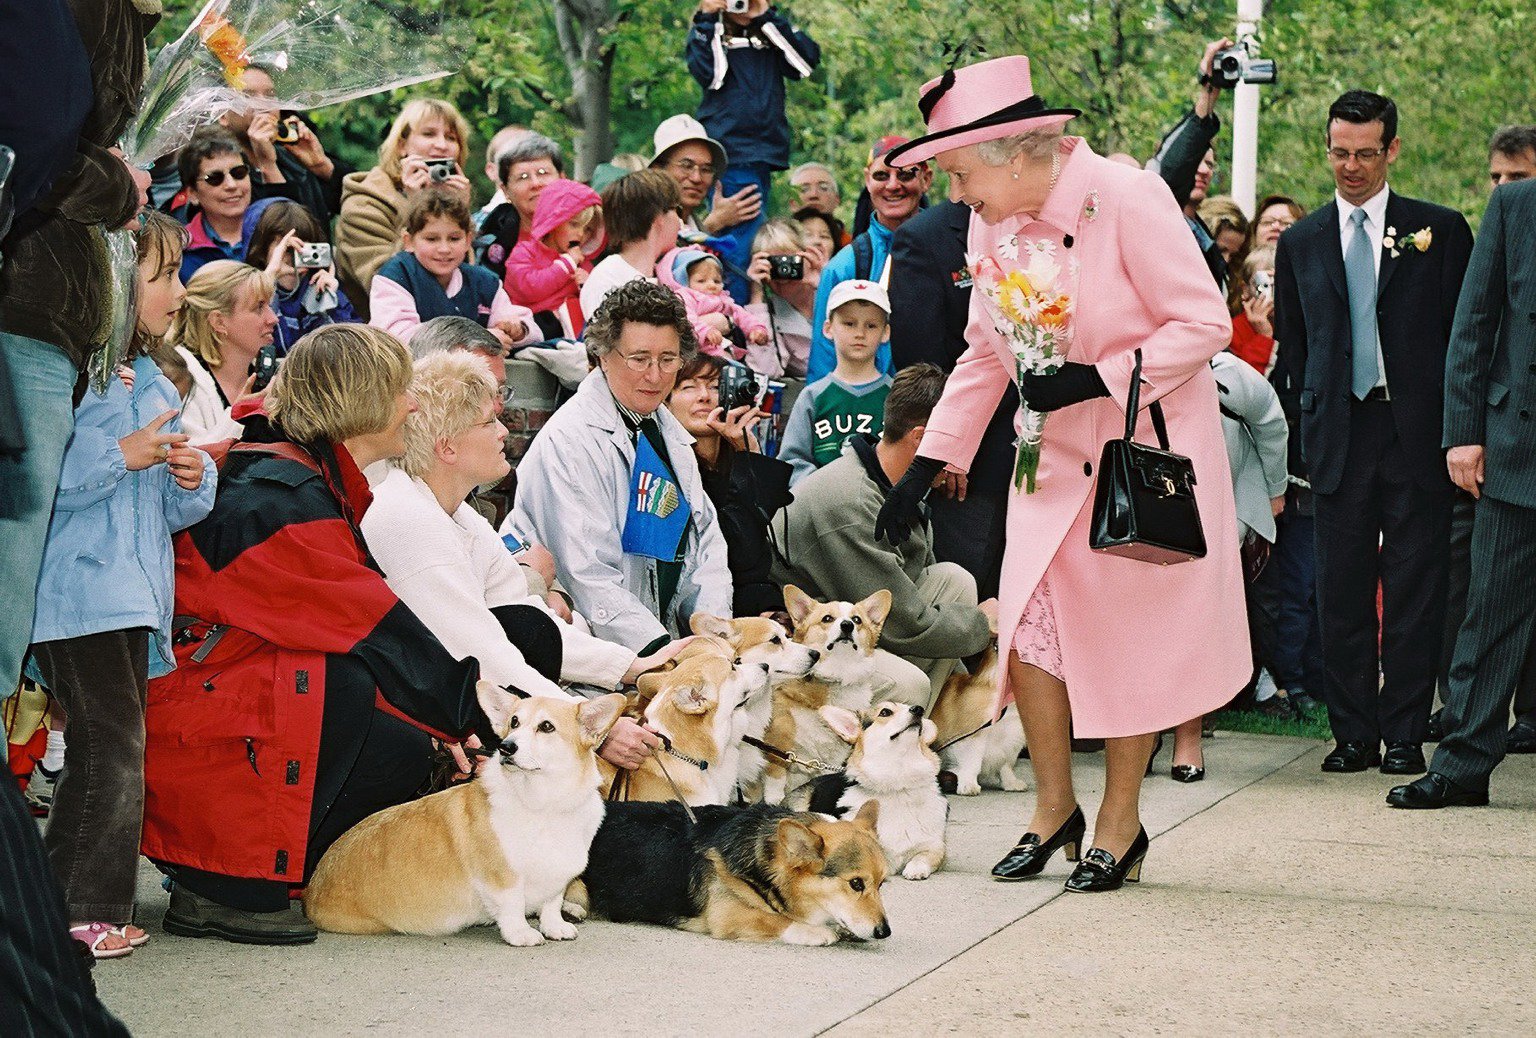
{"points": [[1419, 241], [1091, 206]]}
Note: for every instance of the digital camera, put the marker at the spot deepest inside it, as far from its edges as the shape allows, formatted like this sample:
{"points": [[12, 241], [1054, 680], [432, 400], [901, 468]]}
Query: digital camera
{"points": [[440, 170], [312, 256], [737, 6], [1234, 65], [264, 367], [738, 387], [287, 130], [1264, 284], [786, 268]]}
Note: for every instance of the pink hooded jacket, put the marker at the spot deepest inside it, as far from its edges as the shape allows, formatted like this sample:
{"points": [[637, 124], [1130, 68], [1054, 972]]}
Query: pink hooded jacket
{"points": [[540, 277]]}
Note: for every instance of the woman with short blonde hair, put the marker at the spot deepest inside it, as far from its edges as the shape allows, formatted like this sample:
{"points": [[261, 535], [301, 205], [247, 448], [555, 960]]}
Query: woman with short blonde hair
{"points": [[346, 383], [225, 321], [786, 305], [427, 132]]}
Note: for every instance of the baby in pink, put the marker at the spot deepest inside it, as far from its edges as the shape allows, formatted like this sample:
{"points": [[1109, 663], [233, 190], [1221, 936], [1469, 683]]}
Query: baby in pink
{"points": [[701, 282]]}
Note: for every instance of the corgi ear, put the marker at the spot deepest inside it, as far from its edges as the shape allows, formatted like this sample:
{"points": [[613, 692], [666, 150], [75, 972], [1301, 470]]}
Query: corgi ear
{"points": [[845, 724], [694, 699], [649, 684], [798, 603], [929, 732], [598, 716], [714, 626], [801, 848], [877, 607], [868, 816], [498, 705]]}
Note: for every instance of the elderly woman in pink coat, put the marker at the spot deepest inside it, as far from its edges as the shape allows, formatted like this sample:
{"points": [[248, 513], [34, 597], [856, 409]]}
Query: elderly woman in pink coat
{"points": [[1098, 644]]}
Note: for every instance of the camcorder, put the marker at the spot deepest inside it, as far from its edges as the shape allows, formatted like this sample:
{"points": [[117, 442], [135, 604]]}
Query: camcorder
{"points": [[264, 367], [440, 170], [1235, 65], [287, 130], [786, 268], [312, 256]]}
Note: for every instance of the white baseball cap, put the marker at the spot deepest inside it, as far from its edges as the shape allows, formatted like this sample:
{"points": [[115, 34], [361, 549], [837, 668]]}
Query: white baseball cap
{"points": [[858, 292], [681, 128]]}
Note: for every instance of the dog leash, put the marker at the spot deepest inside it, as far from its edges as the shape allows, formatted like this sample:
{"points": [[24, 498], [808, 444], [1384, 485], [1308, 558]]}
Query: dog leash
{"points": [[967, 735], [811, 765], [619, 789]]}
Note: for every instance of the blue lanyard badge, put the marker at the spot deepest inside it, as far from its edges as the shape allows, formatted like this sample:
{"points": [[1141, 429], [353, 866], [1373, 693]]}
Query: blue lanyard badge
{"points": [[658, 512]]}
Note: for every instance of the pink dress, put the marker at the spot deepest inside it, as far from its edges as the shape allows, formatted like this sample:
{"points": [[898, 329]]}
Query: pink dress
{"points": [[1141, 648]]}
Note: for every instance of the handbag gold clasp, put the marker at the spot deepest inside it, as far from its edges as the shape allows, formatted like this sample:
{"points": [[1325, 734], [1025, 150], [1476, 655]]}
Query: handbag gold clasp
{"points": [[1169, 489]]}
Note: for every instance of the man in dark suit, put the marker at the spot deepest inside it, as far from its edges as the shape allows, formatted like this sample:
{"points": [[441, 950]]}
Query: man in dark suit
{"points": [[930, 291], [1490, 405], [1365, 295]]}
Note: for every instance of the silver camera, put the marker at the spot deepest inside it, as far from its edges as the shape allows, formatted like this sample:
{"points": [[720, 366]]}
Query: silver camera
{"points": [[1264, 284], [312, 256], [737, 6], [440, 170], [1234, 65]]}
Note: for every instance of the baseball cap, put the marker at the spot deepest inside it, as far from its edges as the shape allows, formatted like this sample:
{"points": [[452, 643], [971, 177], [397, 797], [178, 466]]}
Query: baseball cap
{"points": [[680, 128], [858, 292]]}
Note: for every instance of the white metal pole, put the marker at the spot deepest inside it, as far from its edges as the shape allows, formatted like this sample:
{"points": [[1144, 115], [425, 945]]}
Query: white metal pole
{"points": [[1245, 118]]}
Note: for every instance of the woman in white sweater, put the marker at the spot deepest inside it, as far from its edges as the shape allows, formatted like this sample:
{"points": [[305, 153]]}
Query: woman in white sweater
{"points": [[226, 320], [455, 572]]}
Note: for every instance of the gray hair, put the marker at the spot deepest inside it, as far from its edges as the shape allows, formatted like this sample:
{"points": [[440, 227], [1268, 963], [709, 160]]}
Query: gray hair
{"points": [[1035, 144], [804, 166], [527, 148], [1513, 140], [442, 334], [639, 302]]}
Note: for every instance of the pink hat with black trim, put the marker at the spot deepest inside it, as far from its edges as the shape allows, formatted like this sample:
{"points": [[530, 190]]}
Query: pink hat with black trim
{"points": [[980, 102]]}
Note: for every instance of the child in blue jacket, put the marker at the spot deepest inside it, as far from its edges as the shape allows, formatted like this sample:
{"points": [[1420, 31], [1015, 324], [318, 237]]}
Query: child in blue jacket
{"points": [[741, 60], [103, 625], [304, 298]]}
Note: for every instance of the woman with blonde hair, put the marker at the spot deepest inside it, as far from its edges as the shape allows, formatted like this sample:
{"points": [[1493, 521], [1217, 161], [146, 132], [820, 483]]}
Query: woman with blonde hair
{"points": [[226, 320], [786, 305], [1229, 228], [425, 137], [306, 694]]}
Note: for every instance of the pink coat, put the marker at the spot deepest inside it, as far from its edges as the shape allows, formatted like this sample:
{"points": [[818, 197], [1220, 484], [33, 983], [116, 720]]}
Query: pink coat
{"points": [[1143, 647]]}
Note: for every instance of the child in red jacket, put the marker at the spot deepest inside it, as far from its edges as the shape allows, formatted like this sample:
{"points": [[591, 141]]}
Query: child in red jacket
{"points": [[545, 272]]}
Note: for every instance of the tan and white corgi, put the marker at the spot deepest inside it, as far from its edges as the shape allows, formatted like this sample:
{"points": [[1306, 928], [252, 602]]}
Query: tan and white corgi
{"points": [[892, 762], [497, 849], [845, 634], [980, 758], [756, 640]]}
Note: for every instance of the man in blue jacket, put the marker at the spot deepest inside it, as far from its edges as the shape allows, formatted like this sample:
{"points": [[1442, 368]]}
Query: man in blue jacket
{"points": [[741, 59]]}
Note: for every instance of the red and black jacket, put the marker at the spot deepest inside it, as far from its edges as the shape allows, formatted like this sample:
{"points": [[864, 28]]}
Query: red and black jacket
{"points": [[271, 587]]}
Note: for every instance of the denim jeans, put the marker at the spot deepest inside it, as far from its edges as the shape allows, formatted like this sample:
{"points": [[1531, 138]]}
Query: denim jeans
{"points": [[42, 385], [1297, 653], [740, 252]]}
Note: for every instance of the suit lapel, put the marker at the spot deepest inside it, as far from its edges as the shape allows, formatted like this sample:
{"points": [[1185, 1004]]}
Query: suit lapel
{"points": [[1333, 252], [1397, 219]]}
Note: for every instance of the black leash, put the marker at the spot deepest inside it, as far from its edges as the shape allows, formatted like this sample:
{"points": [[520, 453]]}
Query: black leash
{"points": [[967, 735], [810, 765]]}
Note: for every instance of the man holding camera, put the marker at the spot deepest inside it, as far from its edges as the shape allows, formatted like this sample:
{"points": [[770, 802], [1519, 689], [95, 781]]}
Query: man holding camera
{"points": [[282, 149]]}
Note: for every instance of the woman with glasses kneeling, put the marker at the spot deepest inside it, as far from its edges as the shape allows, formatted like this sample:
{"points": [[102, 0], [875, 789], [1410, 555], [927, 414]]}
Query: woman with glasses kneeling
{"points": [[305, 695], [611, 486]]}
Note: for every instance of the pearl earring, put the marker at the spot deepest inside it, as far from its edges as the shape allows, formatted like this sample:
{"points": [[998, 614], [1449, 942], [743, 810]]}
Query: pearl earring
{"points": [[1015, 176]]}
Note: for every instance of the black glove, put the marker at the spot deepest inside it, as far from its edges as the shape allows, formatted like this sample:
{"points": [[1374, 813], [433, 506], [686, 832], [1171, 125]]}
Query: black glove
{"points": [[899, 514], [1071, 384]]}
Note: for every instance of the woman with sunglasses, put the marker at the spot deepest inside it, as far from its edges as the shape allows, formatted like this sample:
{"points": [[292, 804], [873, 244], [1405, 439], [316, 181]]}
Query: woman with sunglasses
{"points": [[218, 186]]}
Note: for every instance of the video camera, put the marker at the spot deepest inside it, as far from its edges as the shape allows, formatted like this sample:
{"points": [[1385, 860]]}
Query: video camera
{"points": [[1237, 65]]}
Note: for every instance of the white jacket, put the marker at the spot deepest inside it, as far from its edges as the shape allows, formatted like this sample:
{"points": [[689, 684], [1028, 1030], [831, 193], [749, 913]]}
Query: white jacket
{"points": [[573, 496], [1255, 445], [452, 570], [204, 418]]}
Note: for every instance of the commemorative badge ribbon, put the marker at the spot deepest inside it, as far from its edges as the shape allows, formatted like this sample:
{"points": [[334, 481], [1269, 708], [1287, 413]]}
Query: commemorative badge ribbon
{"points": [[658, 512]]}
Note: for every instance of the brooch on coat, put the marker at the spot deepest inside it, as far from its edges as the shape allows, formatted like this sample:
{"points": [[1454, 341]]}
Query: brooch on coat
{"points": [[1091, 206], [1419, 241]]}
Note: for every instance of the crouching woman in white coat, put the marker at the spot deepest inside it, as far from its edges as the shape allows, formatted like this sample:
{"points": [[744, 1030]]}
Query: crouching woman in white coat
{"points": [[451, 568], [612, 488]]}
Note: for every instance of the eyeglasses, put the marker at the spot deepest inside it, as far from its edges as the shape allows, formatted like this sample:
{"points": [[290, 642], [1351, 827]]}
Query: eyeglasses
{"points": [[904, 176], [640, 363], [504, 395], [525, 176], [1277, 221], [816, 185], [689, 168], [1342, 155], [236, 173]]}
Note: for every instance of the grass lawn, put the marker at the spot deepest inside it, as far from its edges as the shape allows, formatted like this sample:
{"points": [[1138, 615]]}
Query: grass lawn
{"points": [[1258, 724]]}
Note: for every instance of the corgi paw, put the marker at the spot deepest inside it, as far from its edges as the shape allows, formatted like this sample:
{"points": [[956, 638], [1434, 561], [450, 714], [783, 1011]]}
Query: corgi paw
{"points": [[558, 930], [917, 868], [807, 935], [1009, 780], [574, 912], [521, 937], [967, 787]]}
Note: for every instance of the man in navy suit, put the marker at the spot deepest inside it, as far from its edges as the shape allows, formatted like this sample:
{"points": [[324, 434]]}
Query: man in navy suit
{"points": [[1365, 297]]}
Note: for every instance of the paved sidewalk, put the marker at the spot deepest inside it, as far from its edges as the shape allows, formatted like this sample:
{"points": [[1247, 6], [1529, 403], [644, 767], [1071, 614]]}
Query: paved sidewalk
{"points": [[1275, 901]]}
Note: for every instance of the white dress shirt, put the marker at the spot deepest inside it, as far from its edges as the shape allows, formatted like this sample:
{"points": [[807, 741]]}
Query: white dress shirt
{"points": [[1375, 228]]}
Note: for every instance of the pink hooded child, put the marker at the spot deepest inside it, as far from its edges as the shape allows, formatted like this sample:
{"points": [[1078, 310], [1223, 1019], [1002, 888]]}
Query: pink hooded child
{"points": [[544, 275], [674, 271]]}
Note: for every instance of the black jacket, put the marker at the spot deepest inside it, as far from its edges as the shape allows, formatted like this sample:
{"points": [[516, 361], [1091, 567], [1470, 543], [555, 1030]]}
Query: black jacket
{"points": [[1177, 161], [1416, 305], [746, 495]]}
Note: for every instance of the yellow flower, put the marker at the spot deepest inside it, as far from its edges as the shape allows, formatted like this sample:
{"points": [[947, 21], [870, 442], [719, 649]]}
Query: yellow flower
{"points": [[1421, 240]]}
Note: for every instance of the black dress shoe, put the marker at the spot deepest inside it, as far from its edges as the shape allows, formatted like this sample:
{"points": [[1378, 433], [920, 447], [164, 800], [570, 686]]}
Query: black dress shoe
{"points": [[1308, 706], [1435, 790], [1187, 772], [1352, 756], [1403, 758], [1522, 738], [1436, 729], [1099, 871], [1029, 857]]}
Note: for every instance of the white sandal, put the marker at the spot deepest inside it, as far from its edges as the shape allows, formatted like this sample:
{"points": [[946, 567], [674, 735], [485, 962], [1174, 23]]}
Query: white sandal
{"points": [[92, 934], [133, 942]]}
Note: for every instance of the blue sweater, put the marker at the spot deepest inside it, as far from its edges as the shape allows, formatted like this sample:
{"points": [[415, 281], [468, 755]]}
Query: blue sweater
{"points": [[108, 562], [473, 301]]}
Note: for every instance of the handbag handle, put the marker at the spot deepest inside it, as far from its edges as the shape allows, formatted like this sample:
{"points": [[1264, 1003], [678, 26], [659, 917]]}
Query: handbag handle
{"points": [[1133, 404]]}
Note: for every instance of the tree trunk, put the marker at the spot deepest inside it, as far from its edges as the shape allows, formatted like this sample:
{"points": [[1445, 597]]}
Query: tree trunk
{"points": [[584, 28]]}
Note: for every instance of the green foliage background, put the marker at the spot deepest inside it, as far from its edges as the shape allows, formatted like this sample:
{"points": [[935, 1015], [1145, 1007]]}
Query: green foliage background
{"points": [[1457, 69]]}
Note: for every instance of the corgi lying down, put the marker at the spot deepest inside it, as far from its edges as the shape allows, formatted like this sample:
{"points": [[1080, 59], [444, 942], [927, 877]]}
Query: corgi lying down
{"points": [[755, 873], [497, 849]]}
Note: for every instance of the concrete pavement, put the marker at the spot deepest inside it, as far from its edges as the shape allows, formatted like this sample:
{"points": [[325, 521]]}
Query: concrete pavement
{"points": [[1275, 901]]}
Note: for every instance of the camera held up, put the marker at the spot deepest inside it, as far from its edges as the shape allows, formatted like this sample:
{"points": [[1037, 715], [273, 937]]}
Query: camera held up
{"points": [[1236, 65]]}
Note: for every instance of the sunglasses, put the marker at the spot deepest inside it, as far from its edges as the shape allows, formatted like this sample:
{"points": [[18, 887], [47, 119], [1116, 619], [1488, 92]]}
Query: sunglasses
{"points": [[236, 173], [904, 176]]}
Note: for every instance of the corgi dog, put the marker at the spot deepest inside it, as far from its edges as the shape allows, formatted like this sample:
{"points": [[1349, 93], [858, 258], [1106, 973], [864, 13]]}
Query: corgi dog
{"points": [[756, 640], [844, 633], [496, 849], [694, 706], [987, 757], [753, 873], [892, 762]]}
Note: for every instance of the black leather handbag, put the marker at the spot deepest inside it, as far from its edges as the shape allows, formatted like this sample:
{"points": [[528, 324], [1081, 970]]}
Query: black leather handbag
{"points": [[1144, 501]]}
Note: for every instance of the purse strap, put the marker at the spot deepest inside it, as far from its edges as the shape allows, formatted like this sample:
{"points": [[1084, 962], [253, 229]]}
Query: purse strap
{"points": [[1133, 404]]}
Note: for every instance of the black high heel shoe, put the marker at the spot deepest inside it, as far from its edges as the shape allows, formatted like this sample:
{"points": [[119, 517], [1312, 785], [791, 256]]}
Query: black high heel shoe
{"points": [[1029, 857], [1187, 772], [1099, 871]]}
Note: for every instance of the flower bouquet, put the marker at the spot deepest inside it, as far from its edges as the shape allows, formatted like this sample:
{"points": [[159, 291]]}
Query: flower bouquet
{"points": [[1028, 295], [317, 53]]}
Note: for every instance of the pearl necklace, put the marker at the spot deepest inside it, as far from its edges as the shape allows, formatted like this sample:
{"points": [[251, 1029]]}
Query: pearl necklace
{"points": [[1055, 170]]}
